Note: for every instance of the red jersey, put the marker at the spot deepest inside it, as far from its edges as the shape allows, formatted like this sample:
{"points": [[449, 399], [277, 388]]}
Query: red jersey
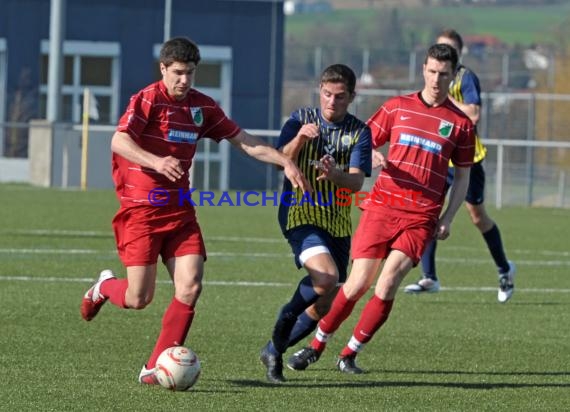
{"points": [[422, 141], [162, 125]]}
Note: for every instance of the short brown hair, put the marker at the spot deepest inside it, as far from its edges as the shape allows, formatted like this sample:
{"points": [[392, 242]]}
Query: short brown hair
{"points": [[453, 35], [179, 49], [443, 53], [339, 73]]}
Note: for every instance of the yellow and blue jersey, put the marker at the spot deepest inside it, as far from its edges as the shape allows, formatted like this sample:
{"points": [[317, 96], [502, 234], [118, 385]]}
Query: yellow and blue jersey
{"points": [[349, 143], [465, 88]]}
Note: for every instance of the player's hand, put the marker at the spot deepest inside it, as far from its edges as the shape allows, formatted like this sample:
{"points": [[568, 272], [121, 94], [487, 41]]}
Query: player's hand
{"points": [[297, 179], [443, 230], [309, 131], [170, 167], [378, 160], [327, 167]]}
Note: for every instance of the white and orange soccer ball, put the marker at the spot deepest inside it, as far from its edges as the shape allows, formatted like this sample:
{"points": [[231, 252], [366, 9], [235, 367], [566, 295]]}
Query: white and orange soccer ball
{"points": [[178, 368]]}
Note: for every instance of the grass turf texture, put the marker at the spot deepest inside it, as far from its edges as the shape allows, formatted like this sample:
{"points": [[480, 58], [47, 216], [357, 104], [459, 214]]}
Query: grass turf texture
{"points": [[455, 350]]}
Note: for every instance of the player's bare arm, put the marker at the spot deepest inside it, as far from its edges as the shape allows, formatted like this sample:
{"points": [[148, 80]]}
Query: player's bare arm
{"points": [[260, 150], [306, 132], [123, 145], [352, 180], [456, 197], [473, 111]]}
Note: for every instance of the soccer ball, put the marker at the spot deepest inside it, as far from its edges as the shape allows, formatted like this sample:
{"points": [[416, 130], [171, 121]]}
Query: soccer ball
{"points": [[178, 368]]}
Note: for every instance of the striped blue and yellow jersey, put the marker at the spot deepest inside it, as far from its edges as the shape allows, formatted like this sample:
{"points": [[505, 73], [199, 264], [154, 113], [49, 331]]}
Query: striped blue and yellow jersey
{"points": [[465, 88], [349, 143]]}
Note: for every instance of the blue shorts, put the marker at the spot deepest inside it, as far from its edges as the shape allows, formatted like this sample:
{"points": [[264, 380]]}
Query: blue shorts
{"points": [[476, 190], [308, 239]]}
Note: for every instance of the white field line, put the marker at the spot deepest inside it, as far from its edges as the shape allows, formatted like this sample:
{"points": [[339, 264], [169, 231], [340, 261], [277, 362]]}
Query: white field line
{"points": [[41, 251], [262, 255], [91, 280], [262, 284], [100, 233]]}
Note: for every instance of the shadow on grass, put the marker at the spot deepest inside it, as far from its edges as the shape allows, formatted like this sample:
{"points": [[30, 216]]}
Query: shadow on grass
{"points": [[310, 383], [513, 374], [345, 381]]}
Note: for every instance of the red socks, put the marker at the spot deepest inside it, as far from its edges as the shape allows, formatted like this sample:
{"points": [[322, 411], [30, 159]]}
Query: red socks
{"points": [[373, 316], [175, 322], [115, 290], [175, 325], [340, 310]]}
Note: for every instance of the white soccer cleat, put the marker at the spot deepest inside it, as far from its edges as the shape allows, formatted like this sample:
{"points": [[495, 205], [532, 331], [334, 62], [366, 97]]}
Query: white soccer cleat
{"points": [[507, 284], [424, 285], [93, 299], [148, 376]]}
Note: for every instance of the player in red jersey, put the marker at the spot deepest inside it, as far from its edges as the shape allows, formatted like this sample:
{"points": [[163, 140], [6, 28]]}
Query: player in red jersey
{"points": [[424, 130], [153, 148], [465, 93]]}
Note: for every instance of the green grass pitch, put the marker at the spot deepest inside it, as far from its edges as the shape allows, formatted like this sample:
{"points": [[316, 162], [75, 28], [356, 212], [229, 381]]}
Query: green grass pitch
{"points": [[457, 350]]}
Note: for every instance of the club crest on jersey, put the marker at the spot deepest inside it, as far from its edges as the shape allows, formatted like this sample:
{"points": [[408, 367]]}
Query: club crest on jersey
{"points": [[445, 128], [197, 115], [345, 140]]}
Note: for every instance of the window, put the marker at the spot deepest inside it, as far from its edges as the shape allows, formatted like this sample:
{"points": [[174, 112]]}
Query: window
{"points": [[85, 64]]}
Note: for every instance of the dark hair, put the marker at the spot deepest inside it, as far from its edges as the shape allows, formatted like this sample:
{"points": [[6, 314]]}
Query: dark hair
{"points": [[443, 53], [339, 73], [453, 35], [179, 49]]}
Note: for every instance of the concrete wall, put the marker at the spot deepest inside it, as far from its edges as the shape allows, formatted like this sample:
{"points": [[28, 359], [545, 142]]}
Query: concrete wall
{"points": [[55, 157], [40, 152]]}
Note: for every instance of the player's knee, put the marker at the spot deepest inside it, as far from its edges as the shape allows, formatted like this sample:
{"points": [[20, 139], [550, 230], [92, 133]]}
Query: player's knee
{"points": [[355, 291], [140, 302], [325, 284], [482, 221], [478, 215], [387, 286], [476, 218], [189, 293], [330, 283], [138, 299]]}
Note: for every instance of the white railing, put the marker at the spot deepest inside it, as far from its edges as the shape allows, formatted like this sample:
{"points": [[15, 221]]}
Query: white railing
{"points": [[501, 144], [522, 183], [499, 187]]}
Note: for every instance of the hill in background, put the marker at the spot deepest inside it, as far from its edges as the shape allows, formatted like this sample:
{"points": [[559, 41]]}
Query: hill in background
{"points": [[523, 23]]}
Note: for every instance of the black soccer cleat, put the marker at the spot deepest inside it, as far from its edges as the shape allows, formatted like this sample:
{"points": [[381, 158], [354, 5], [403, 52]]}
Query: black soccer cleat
{"points": [[301, 359], [274, 365], [347, 364]]}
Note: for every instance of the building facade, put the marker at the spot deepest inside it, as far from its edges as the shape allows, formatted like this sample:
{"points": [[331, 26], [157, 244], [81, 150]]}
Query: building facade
{"points": [[112, 46]]}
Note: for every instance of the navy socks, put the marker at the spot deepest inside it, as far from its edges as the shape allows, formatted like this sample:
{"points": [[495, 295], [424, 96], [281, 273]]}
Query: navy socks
{"points": [[303, 297]]}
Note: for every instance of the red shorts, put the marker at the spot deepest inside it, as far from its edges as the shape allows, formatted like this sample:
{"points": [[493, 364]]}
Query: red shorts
{"points": [[378, 233], [143, 233]]}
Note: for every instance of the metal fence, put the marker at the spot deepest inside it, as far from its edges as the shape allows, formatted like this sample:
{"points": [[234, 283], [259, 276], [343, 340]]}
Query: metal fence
{"points": [[519, 172], [513, 80], [527, 133], [512, 182], [497, 69]]}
